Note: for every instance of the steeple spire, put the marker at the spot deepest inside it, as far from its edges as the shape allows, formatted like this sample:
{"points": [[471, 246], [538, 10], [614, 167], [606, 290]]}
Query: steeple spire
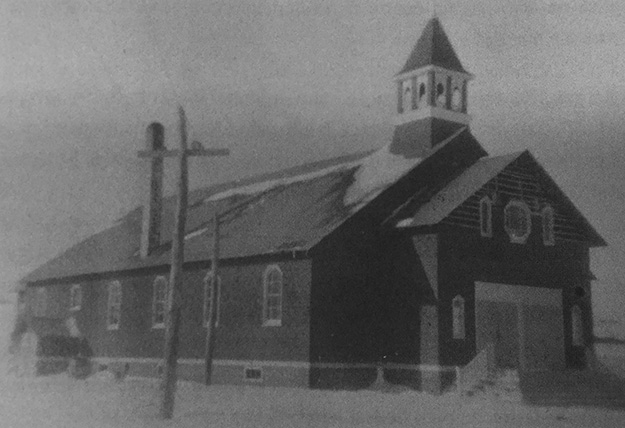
{"points": [[431, 93], [433, 48]]}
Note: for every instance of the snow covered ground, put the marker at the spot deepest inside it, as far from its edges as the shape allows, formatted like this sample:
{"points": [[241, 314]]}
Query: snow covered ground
{"points": [[100, 401], [62, 402]]}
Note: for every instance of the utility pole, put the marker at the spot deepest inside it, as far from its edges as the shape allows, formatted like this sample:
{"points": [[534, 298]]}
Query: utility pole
{"points": [[174, 292], [212, 312]]}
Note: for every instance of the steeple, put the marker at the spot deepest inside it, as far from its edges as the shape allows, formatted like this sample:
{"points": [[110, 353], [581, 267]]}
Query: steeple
{"points": [[431, 93], [433, 48]]}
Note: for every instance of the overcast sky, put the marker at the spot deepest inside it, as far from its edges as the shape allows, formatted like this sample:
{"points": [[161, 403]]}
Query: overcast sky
{"points": [[286, 81]]}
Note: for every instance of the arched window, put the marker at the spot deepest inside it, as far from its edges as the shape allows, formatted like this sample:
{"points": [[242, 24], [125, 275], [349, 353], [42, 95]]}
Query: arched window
{"points": [[577, 326], [517, 221], [456, 99], [272, 302], [75, 297], [407, 95], [421, 91], [457, 306], [441, 97], [548, 224], [159, 302], [208, 288], [114, 305], [414, 99], [486, 217]]}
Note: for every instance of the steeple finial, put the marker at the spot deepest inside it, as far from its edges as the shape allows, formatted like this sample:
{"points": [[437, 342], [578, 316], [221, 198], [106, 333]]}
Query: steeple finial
{"points": [[433, 8]]}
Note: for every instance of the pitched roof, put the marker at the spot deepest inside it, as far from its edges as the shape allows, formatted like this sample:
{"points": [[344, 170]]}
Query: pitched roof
{"points": [[477, 176], [290, 210], [459, 190], [433, 48]]}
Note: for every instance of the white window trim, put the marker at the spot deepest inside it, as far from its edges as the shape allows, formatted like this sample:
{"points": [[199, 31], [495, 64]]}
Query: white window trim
{"points": [[208, 281], [549, 236], [75, 303], [523, 206], [458, 318], [114, 288], [272, 322], [488, 233], [577, 326], [159, 279]]}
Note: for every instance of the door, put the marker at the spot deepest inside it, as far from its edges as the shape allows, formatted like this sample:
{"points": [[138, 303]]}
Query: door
{"points": [[497, 323], [524, 324]]}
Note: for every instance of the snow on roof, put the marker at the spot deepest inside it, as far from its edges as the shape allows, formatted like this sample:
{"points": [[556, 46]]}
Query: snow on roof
{"points": [[265, 186], [284, 211], [376, 172], [379, 170]]}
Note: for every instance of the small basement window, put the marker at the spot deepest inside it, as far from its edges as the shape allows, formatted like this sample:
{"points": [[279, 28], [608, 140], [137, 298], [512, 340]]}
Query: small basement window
{"points": [[253, 374], [486, 217], [548, 225], [517, 221], [75, 297], [459, 331]]}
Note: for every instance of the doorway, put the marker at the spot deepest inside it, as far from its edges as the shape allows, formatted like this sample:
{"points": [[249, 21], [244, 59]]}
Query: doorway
{"points": [[524, 324]]}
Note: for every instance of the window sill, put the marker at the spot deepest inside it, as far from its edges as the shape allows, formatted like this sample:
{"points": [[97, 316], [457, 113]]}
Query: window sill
{"points": [[112, 327], [158, 326], [272, 323]]}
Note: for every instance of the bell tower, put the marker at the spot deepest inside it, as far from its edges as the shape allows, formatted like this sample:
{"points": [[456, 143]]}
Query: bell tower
{"points": [[431, 94]]}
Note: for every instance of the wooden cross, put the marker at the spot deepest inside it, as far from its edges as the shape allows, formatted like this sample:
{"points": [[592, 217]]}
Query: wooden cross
{"points": [[174, 301]]}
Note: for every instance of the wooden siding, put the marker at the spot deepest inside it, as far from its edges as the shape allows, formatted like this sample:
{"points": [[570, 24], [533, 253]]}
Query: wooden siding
{"points": [[240, 334], [466, 258], [521, 180]]}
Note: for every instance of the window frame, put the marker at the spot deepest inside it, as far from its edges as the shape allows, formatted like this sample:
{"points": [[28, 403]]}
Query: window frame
{"points": [[75, 297], [277, 321], [547, 215], [114, 304], [486, 230], [514, 238], [159, 300], [577, 326], [458, 311], [217, 295], [248, 369]]}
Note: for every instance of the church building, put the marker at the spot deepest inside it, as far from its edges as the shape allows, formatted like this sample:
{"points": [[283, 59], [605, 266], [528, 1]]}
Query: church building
{"points": [[414, 258]]}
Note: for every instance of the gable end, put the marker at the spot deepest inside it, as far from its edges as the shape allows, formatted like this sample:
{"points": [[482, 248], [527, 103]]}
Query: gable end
{"points": [[525, 180]]}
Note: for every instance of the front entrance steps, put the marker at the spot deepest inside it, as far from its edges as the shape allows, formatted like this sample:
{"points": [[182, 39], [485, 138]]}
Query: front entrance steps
{"points": [[503, 384]]}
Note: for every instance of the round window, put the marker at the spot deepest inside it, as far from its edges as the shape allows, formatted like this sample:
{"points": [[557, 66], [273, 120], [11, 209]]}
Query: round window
{"points": [[518, 221]]}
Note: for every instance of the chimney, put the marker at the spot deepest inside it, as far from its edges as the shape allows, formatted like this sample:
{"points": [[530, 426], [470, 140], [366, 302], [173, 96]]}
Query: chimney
{"points": [[153, 207]]}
